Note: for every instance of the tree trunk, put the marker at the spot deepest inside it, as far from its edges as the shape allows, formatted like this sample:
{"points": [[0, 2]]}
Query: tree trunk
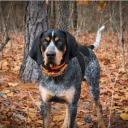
{"points": [[75, 15], [52, 14], [72, 23], [62, 15], [36, 21]]}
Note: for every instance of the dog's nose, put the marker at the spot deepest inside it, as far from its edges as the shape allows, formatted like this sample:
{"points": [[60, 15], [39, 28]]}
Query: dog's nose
{"points": [[51, 54]]}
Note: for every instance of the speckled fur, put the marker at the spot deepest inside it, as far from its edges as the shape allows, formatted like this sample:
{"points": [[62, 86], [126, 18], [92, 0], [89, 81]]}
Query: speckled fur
{"points": [[92, 75]]}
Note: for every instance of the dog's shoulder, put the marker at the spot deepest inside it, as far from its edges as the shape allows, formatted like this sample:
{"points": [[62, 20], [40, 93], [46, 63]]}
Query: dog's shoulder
{"points": [[84, 50]]}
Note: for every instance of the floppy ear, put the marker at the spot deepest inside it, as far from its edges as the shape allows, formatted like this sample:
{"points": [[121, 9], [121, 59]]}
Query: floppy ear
{"points": [[35, 52], [72, 47]]}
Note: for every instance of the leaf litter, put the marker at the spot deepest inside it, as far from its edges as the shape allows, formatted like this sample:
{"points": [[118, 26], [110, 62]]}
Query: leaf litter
{"points": [[20, 102]]}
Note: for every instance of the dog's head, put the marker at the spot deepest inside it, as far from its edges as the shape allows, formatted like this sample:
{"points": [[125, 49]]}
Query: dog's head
{"points": [[53, 47]]}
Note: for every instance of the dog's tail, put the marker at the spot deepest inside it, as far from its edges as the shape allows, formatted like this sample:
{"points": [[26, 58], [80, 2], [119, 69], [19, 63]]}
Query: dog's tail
{"points": [[98, 38]]}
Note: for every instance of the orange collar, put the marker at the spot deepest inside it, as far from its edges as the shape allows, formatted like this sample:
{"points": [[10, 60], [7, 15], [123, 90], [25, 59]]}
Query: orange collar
{"points": [[55, 70]]}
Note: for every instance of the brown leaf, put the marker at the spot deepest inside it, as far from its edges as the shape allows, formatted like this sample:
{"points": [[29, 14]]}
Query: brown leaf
{"points": [[12, 84], [124, 116]]}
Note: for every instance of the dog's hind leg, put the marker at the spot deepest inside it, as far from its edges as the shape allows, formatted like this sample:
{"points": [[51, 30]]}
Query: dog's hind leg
{"points": [[92, 75], [99, 114], [95, 95]]}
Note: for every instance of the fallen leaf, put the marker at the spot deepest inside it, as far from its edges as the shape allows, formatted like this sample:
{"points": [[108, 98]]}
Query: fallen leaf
{"points": [[11, 94], [12, 84], [124, 116], [6, 91], [39, 121]]}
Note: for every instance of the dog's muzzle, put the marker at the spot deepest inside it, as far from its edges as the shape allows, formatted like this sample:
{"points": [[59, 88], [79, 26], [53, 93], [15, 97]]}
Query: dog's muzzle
{"points": [[51, 56]]}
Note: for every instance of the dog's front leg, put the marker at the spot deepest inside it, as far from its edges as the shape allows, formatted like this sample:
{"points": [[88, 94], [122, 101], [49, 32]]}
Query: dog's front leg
{"points": [[45, 112], [69, 121]]}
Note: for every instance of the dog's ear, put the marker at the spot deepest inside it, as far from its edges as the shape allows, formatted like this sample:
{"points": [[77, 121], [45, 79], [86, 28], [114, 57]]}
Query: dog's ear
{"points": [[35, 52], [72, 47]]}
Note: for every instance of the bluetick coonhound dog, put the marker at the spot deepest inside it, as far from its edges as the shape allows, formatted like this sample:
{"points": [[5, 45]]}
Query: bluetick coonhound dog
{"points": [[64, 65]]}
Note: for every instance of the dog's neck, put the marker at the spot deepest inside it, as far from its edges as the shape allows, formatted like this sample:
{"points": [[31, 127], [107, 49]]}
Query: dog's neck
{"points": [[53, 70]]}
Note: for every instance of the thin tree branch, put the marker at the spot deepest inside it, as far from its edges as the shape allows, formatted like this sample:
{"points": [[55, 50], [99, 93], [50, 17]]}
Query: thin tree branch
{"points": [[4, 44]]}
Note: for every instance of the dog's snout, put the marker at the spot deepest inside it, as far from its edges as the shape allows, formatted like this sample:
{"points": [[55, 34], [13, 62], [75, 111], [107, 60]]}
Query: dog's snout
{"points": [[51, 54]]}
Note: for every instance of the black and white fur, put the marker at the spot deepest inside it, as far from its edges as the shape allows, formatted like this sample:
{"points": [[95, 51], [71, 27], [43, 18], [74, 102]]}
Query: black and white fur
{"points": [[66, 88]]}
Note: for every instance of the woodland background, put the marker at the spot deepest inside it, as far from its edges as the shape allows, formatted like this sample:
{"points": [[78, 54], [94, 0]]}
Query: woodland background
{"points": [[19, 101]]}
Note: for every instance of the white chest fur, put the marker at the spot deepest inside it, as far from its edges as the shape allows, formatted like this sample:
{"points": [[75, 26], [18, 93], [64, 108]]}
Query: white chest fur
{"points": [[65, 94]]}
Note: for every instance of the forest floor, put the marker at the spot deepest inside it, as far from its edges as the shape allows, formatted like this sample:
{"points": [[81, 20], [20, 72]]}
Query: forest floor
{"points": [[19, 102]]}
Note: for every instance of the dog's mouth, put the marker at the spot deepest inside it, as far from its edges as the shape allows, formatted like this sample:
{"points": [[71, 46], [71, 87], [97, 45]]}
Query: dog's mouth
{"points": [[51, 61], [54, 70], [50, 65]]}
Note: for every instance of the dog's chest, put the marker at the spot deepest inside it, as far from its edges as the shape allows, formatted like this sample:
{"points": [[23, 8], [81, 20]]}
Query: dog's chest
{"points": [[63, 88], [57, 93]]}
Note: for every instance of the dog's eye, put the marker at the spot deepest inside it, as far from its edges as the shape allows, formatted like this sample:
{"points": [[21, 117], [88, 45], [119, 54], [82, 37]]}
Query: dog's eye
{"points": [[59, 44], [57, 38], [45, 43]]}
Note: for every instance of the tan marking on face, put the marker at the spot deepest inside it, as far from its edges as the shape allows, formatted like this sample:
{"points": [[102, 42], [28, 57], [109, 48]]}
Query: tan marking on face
{"points": [[45, 57], [57, 38], [47, 38], [59, 56], [67, 94]]}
